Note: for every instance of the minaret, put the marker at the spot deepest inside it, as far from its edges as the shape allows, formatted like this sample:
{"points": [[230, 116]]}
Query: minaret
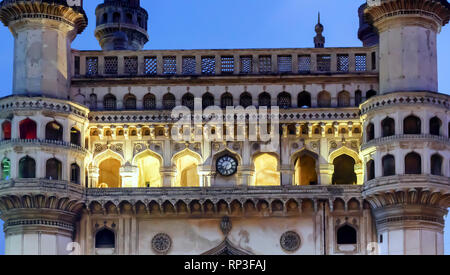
{"points": [[121, 25], [366, 32], [406, 145], [41, 200], [43, 32], [319, 40]]}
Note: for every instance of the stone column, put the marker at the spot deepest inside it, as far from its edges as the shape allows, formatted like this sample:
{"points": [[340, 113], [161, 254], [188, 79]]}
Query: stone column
{"points": [[128, 173], [168, 176], [326, 174]]}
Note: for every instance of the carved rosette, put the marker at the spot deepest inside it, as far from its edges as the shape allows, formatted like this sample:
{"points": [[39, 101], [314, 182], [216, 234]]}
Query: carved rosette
{"points": [[161, 243]]}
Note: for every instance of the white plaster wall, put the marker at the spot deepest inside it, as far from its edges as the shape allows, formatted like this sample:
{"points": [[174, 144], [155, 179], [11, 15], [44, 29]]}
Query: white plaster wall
{"points": [[36, 244]]}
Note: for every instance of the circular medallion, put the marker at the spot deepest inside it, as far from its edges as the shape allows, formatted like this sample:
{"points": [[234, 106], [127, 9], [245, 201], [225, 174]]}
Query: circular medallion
{"points": [[161, 243], [226, 165], [290, 241]]}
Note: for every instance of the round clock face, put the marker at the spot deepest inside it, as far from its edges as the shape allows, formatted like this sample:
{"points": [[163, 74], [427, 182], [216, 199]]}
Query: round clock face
{"points": [[226, 165]]}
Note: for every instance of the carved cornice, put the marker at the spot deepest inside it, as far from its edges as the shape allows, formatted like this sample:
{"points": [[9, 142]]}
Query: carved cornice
{"points": [[381, 10], [50, 144], [402, 138], [12, 10]]}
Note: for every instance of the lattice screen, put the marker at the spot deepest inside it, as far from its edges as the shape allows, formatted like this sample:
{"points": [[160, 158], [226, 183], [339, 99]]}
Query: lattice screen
{"points": [[227, 64], [265, 64], [169, 65], [111, 64], [91, 65], [304, 63], [149, 102], [360, 62], [131, 65], [208, 65], [150, 65], [323, 63], [246, 64], [343, 62], [284, 63], [189, 65]]}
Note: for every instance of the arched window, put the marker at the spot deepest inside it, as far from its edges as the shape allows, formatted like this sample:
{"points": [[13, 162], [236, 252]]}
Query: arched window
{"points": [[139, 21], [93, 101], [105, 18], [53, 169], [149, 102], [54, 131], [27, 129], [436, 165], [105, 238], [388, 163], [358, 98], [6, 169], [266, 170], [413, 164], [226, 100], [284, 100], [75, 136], [346, 235], [116, 17], [304, 100], [370, 166], [305, 171], [188, 100], [75, 173], [129, 102], [324, 99], [344, 99], [370, 132], [435, 126], [264, 99], [109, 174], [370, 93], [27, 168], [245, 100], [168, 101], [207, 100], [109, 102], [388, 127], [6, 130], [344, 170], [411, 125], [129, 18]]}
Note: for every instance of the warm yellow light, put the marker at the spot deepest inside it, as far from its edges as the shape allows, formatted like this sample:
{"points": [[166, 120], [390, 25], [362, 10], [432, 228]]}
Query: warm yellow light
{"points": [[305, 171], [187, 172], [149, 171], [266, 173], [109, 174]]}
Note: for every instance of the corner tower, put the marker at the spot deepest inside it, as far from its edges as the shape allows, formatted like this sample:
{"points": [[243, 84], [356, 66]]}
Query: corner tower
{"points": [[43, 32], [121, 25], [406, 146]]}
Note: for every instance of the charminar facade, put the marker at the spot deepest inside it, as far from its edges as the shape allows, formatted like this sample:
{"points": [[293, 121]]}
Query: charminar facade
{"points": [[94, 160]]}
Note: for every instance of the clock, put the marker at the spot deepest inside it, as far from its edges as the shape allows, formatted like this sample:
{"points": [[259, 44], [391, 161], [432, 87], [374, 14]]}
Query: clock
{"points": [[226, 165]]}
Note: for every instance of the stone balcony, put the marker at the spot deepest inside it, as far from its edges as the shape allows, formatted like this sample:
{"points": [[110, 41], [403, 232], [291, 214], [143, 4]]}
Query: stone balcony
{"points": [[400, 138], [224, 63], [42, 143]]}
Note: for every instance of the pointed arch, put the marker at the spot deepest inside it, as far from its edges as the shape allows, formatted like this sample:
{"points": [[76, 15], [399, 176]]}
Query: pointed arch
{"points": [[149, 164], [305, 165], [107, 155], [226, 248], [267, 169], [344, 151], [186, 163]]}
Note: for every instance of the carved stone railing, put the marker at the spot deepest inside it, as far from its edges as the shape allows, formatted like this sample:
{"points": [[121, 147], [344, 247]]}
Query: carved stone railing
{"points": [[390, 139], [239, 62], [42, 103], [289, 115], [405, 98], [29, 186], [45, 142]]}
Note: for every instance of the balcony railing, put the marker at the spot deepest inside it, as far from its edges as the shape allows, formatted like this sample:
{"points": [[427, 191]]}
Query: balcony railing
{"points": [[186, 63], [38, 142]]}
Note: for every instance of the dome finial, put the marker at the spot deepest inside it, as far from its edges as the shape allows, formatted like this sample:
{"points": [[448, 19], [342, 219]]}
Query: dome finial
{"points": [[319, 40]]}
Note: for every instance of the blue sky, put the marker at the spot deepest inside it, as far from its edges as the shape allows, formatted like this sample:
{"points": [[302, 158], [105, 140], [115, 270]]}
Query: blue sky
{"points": [[222, 24]]}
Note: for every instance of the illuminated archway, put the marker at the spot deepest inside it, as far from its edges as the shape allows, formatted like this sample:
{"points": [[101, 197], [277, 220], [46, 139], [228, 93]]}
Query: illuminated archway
{"points": [[266, 170], [305, 170], [186, 163], [109, 174], [149, 165]]}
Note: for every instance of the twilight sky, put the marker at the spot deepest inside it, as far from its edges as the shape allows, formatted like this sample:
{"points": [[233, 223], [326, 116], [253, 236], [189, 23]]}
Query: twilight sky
{"points": [[223, 24]]}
